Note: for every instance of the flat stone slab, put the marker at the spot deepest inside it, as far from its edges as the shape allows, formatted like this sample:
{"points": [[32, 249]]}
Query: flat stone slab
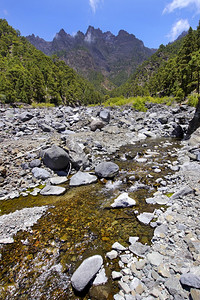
{"points": [[145, 218], [52, 190], [82, 178], [58, 180], [86, 272], [123, 200]]}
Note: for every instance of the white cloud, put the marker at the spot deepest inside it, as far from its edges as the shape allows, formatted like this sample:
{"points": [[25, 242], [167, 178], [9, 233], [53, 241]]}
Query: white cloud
{"points": [[178, 4], [94, 4], [178, 28]]}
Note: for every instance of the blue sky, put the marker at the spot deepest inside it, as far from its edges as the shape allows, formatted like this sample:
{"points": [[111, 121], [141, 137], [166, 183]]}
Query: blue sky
{"points": [[155, 22]]}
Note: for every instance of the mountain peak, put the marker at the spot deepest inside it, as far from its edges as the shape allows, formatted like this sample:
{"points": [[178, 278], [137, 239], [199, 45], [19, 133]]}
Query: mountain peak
{"points": [[115, 57]]}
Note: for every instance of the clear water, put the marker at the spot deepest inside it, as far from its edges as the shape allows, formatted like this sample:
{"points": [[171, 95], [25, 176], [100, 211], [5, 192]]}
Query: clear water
{"points": [[39, 264]]}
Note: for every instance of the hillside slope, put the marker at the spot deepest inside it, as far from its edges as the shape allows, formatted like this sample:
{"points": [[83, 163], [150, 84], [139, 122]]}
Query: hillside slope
{"points": [[28, 75], [174, 70]]}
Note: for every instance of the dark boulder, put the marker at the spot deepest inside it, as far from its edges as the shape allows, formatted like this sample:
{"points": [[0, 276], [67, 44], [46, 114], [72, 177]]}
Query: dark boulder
{"points": [[178, 132], [56, 158]]}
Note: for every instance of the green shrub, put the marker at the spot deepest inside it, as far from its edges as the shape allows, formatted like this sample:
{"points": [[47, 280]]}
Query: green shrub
{"points": [[138, 102], [193, 100], [41, 105]]}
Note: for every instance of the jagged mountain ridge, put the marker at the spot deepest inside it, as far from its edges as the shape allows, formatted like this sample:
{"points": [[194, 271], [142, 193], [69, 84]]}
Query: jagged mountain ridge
{"points": [[97, 52]]}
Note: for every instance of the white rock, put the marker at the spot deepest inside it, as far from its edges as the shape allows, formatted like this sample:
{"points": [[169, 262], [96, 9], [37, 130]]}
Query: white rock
{"points": [[145, 217], [116, 275], [118, 246], [112, 254], [123, 200]]}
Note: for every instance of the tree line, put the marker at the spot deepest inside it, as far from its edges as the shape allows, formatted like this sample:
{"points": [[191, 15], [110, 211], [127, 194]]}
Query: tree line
{"points": [[27, 75]]}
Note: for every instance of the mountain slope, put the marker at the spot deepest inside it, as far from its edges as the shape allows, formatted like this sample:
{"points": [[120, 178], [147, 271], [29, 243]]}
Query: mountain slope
{"points": [[97, 54], [174, 70], [28, 75]]}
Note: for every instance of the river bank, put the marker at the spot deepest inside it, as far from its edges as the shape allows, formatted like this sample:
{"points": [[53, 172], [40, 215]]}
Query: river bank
{"points": [[90, 136]]}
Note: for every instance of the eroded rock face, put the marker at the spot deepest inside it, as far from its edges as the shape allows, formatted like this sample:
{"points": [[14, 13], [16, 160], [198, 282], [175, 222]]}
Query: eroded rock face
{"points": [[56, 158], [86, 272]]}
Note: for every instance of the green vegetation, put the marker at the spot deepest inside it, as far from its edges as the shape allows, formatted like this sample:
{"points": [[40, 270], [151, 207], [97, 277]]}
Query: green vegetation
{"points": [[138, 103], [173, 71], [27, 75]]}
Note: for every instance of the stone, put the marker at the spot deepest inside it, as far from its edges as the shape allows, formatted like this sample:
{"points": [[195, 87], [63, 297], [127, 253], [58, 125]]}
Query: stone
{"points": [[133, 239], [145, 218], [195, 294], [97, 124], [56, 158], [40, 173], [58, 126], [116, 275], [155, 258], [172, 284], [25, 116], [118, 297], [112, 254], [51, 190], [82, 178], [134, 283], [182, 192], [101, 277], [139, 249], [35, 163], [78, 157], [190, 280], [117, 246], [106, 170], [45, 127], [161, 231], [163, 271], [123, 200], [125, 287], [177, 132], [58, 180], [86, 272], [105, 115]]}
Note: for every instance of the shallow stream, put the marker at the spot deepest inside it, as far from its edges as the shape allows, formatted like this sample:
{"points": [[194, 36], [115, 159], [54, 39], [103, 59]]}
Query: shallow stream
{"points": [[39, 264]]}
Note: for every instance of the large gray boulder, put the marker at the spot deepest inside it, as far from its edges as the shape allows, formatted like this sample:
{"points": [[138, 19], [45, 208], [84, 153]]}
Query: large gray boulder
{"points": [[82, 178], [56, 158], [40, 173], [107, 170], [86, 272]]}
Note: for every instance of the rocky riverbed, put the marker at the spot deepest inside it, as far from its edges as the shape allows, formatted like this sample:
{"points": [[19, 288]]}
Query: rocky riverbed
{"points": [[82, 139]]}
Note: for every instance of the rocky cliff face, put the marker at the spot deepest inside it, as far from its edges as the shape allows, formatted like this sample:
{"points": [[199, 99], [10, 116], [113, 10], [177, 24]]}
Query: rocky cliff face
{"points": [[94, 52]]}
